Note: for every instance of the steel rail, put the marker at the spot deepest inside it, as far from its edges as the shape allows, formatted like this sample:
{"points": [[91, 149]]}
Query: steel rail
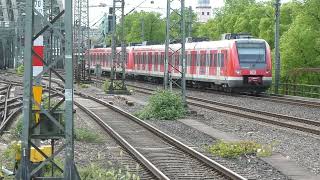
{"points": [[152, 168], [195, 154], [6, 110], [285, 100]]}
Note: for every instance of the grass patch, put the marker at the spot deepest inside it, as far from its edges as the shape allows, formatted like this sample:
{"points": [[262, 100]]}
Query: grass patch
{"points": [[84, 86], [18, 129], [236, 149], [86, 135], [95, 172], [20, 70], [163, 105]]}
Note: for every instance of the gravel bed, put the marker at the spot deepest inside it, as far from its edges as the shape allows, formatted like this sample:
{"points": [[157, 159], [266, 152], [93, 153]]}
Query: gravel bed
{"points": [[105, 153], [286, 109], [250, 167], [280, 108], [301, 147]]}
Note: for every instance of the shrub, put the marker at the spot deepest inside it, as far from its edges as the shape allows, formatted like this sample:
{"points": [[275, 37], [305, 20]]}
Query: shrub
{"points": [[106, 86], [86, 135], [84, 86], [163, 105], [236, 149], [95, 172], [18, 129], [20, 70]]}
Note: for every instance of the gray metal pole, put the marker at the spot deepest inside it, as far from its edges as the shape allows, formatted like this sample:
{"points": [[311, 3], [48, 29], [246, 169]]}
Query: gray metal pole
{"points": [[27, 93], [277, 46], [190, 22], [183, 51], [69, 152], [166, 61], [113, 47], [88, 41], [123, 47], [142, 30]]}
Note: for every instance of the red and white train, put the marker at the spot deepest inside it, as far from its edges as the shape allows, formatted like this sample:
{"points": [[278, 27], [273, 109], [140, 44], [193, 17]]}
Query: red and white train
{"points": [[237, 64]]}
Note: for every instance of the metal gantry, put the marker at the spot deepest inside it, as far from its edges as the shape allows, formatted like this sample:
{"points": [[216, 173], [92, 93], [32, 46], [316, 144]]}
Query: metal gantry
{"points": [[171, 51], [117, 84], [82, 40], [59, 128]]}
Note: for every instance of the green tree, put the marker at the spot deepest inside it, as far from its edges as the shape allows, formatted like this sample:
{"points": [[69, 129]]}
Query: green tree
{"points": [[300, 45]]}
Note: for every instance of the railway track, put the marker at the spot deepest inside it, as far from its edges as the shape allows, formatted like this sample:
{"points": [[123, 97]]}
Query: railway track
{"points": [[10, 108], [163, 155], [287, 100], [301, 124]]}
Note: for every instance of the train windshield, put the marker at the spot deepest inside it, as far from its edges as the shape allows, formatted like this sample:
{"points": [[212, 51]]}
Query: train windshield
{"points": [[252, 52]]}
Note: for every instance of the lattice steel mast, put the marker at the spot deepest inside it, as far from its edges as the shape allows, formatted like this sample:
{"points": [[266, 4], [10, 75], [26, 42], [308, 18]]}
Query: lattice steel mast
{"points": [[171, 51], [117, 85], [82, 39], [49, 117]]}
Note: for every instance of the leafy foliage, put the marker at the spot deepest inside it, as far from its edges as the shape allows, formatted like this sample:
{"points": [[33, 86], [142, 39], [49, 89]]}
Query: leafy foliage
{"points": [[20, 70], [236, 149], [163, 105]]}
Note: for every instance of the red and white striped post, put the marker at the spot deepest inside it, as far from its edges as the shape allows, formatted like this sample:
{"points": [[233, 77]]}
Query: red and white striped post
{"points": [[37, 63]]}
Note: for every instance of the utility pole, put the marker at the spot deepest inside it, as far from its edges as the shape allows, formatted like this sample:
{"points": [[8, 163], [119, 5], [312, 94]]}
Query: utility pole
{"points": [[175, 72], [142, 30], [190, 22], [117, 85], [277, 46]]}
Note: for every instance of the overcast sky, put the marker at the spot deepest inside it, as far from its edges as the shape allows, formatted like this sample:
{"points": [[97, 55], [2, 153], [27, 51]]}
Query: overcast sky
{"points": [[159, 6]]}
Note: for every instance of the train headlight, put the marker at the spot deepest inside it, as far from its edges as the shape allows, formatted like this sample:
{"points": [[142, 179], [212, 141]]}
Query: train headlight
{"points": [[238, 72]]}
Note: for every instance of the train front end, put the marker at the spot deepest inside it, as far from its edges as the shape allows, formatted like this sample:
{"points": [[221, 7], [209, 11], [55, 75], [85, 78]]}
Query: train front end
{"points": [[252, 65]]}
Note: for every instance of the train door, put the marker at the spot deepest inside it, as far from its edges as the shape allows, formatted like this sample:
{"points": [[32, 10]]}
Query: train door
{"points": [[150, 62], [156, 62], [202, 63], [193, 63], [162, 56], [219, 65], [212, 63]]}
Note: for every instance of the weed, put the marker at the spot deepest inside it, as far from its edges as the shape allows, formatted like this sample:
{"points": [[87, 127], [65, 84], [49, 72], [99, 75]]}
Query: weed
{"points": [[18, 129], [106, 86], [163, 105], [86, 135], [95, 172], [236, 149], [20, 70], [84, 86]]}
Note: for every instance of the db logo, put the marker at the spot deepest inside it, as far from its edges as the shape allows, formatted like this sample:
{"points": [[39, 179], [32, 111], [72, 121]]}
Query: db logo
{"points": [[253, 72]]}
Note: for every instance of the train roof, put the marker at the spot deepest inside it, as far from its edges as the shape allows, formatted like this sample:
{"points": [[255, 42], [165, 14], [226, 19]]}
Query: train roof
{"points": [[222, 44]]}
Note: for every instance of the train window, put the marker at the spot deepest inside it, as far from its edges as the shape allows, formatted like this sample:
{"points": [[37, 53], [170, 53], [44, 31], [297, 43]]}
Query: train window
{"points": [[156, 59], [221, 60], [211, 60], [150, 58], [203, 60], [215, 60], [162, 58], [188, 59]]}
